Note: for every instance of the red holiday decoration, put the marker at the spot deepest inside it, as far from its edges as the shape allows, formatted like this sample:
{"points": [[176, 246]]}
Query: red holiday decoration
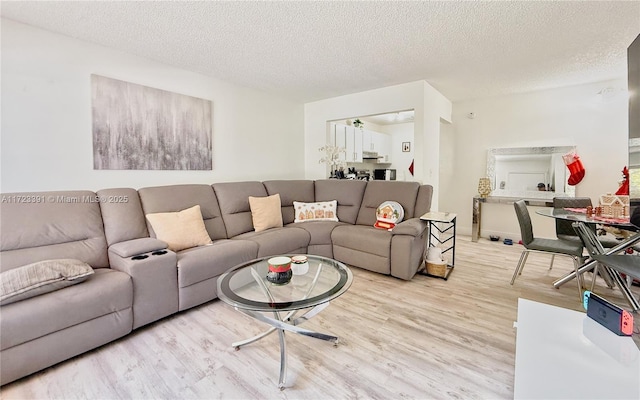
{"points": [[624, 186], [572, 161]]}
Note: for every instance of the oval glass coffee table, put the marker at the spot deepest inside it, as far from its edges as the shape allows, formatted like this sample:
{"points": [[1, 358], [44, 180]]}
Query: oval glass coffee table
{"points": [[246, 288]]}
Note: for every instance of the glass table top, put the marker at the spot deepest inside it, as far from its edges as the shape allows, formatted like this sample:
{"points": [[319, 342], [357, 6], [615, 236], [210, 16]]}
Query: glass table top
{"points": [[246, 286], [561, 213]]}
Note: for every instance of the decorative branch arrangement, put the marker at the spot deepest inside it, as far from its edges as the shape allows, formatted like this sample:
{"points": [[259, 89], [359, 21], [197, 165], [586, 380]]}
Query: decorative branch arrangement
{"points": [[332, 157]]}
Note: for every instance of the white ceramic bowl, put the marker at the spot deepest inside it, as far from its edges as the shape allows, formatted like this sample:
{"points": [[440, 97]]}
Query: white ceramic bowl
{"points": [[299, 265]]}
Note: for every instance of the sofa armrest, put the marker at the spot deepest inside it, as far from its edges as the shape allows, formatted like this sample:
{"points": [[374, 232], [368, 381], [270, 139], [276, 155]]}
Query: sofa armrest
{"points": [[411, 227], [137, 246], [155, 283]]}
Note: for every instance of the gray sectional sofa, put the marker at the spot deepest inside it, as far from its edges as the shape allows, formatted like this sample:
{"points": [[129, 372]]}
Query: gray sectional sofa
{"points": [[137, 280]]}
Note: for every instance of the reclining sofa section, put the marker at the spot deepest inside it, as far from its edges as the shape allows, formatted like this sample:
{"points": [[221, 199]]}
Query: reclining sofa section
{"points": [[137, 280]]}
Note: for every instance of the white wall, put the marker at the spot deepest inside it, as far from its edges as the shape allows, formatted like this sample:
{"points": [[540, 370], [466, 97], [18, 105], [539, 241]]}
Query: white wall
{"points": [[429, 105], [401, 161], [576, 115], [46, 141]]}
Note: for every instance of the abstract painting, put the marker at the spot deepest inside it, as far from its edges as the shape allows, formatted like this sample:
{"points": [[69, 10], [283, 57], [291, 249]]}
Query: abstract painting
{"points": [[143, 128]]}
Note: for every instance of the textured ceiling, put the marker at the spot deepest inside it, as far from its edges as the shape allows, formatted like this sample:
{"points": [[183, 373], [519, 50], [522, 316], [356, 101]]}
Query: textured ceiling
{"points": [[308, 51]]}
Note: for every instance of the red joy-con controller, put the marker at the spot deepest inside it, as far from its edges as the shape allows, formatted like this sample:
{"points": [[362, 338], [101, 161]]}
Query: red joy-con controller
{"points": [[626, 323]]}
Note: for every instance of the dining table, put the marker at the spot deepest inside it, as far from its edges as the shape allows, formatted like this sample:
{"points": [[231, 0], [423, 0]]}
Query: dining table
{"points": [[580, 215]]}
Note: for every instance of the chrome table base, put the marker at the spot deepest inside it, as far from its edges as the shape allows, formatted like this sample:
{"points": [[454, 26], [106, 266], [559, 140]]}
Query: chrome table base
{"points": [[615, 276], [287, 324]]}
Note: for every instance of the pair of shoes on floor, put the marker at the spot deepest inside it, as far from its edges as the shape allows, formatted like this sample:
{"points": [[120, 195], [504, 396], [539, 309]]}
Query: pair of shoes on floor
{"points": [[508, 242]]}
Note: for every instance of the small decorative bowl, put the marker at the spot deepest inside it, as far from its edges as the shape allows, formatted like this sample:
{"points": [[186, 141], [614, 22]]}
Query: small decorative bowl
{"points": [[279, 270]]}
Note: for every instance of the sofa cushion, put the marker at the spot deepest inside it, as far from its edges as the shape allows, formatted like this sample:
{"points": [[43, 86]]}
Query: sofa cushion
{"points": [[363, 246], [202, 263], [180, 230], [290, 191], [66, 224], [278, 241], [318, 211], [378, 192], [122, 215], [105, 292], [41, 277], [233, 198], [320, 231], [423, 202], [347, 192], [363, 238], [179, 197], [265, 212]]}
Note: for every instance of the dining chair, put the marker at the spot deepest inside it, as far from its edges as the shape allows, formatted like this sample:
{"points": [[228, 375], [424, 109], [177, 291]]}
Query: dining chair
{"points": [[553, 247], [564, 229]]}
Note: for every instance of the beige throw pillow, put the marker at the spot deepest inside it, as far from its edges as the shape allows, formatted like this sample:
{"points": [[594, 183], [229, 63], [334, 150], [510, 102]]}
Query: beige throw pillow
{"points": [[266, 212], [180, 230], [41, 277]]}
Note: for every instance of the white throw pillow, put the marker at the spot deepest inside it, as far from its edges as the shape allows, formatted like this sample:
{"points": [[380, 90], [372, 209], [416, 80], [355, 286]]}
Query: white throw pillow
{"points": [[318, 211]]}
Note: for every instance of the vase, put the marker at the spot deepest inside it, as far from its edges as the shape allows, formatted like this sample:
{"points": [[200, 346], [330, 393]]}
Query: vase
{"points": [[484, 187]]}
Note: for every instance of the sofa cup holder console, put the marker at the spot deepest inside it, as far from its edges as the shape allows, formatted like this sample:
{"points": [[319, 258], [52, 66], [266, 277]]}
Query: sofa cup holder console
{"points": [[153, 253]]}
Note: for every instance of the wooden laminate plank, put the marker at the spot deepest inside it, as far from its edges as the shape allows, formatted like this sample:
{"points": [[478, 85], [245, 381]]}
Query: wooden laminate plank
{"points": [[424, 338]]}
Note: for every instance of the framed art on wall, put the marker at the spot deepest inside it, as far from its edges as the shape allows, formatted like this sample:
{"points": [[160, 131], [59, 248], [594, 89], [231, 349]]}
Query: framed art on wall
{"points": [[138, 127], [406, 147]]}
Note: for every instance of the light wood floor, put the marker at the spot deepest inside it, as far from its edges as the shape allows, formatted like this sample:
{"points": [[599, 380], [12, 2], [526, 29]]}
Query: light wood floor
{"points": [[423, 339]]}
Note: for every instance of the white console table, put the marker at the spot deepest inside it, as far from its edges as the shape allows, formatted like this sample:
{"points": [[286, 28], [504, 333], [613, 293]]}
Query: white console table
{"points": [[563, 354]]}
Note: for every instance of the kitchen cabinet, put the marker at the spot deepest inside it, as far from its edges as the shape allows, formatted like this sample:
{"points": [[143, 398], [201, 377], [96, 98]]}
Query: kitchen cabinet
{"points": [[340, 139], [381, 144], [367, 143], [349, 138], [354, 143]]}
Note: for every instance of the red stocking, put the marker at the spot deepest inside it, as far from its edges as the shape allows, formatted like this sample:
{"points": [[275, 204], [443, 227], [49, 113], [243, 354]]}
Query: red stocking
{"points": [[572, 161]]}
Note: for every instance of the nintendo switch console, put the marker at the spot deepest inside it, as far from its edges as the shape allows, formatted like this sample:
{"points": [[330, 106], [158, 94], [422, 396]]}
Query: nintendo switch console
{"points": [[609, 315]]}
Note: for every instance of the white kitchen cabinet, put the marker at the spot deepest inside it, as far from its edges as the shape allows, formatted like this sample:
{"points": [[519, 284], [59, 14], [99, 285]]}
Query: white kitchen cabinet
{"points": [[382, 145], [367, 143], [349, 138], [340, 139], [354, 144]]}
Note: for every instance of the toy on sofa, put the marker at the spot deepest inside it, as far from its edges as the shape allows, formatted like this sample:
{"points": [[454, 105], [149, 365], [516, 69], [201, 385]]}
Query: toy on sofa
{"points": [[388, 214]]}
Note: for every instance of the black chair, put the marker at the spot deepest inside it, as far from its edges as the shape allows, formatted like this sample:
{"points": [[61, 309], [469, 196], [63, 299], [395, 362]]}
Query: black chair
{"points": [[553, 247]]}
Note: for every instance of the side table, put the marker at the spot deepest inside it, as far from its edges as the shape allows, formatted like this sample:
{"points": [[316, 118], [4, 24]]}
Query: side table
{"points": [[434, 238]]}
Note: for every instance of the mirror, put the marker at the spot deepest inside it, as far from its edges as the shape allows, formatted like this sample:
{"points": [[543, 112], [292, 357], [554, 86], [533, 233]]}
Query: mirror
{"points": [[529, 172]]}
